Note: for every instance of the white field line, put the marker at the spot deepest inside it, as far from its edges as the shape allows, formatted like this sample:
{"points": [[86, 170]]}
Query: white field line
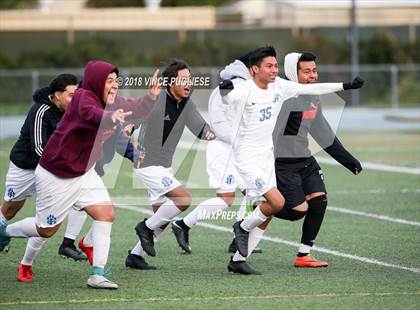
{"points": [[291, 243], [330, 161], [346, 211], [375, 216]]}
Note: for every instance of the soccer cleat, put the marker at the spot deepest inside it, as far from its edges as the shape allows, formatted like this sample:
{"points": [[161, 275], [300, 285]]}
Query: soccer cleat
{"points": [[232, 248], [70, 251], [241, 267], [24, 273], [137, 262], [182, 237], [241, 239], [88, 251], [4, 237], [146, 236], [100, 282], [309, 262]]}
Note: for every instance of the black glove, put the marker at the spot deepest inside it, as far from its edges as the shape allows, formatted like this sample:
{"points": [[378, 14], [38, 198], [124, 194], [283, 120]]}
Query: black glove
{"points": [[357, 168], [355, 84]]}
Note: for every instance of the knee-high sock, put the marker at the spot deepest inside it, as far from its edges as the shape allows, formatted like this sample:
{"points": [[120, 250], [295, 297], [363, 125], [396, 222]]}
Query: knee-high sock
{"points": [[255, 219], [157, 233], [88, 239], [203, 209], [242, 209], [254, 239], [2, 218], [33, 246], [163, 215], [75, 221], [138, 250], [25, 228], [101, 237]]}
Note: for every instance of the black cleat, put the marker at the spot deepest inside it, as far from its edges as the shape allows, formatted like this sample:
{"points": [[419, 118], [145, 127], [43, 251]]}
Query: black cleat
{"points": [[137, 262], [182, 237], [241, 239], [241, 267], [70, 251], [146, 238], [232, 248]]}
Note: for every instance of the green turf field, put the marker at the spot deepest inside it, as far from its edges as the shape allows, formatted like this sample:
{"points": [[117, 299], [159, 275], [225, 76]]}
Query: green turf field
{"points": [[374, 262]]}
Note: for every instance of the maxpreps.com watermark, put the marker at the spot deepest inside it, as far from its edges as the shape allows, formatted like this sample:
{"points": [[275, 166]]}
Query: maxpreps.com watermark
{"points": [[143, 81], [228, 215]]}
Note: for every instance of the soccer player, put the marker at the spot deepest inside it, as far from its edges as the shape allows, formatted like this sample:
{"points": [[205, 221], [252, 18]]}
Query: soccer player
{"points": [[257, 103], [49, 105], [299, 177], [161, 135], [220, 167], [65, 177]]}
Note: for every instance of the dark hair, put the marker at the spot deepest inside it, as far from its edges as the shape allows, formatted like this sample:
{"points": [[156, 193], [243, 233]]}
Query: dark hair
{"points": [[306, 56], [171, 71], [259, 54], [61, 82]]}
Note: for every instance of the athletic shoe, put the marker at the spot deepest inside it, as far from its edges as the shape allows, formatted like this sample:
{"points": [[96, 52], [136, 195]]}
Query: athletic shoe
{"points": [[241, 239], [309, 261], [88, 251], [182, 237], [241, 267], [146, 236], [70, 251], [100, 282], [4, 238], [232, 248], [137, 262], [24, 273]]}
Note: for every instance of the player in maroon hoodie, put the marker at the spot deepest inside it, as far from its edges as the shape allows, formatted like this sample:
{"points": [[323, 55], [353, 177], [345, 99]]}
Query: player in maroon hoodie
{"points": [[65, 176]]}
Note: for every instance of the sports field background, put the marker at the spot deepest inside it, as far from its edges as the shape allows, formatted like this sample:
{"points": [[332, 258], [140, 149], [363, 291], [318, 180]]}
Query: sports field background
{"points": [[375, 264]]}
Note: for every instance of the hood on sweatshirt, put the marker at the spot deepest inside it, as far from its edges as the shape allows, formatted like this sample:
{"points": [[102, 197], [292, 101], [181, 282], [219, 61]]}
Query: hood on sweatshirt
{"points": [[290, 66], [95, 75], [236, 69], [42, 95]]}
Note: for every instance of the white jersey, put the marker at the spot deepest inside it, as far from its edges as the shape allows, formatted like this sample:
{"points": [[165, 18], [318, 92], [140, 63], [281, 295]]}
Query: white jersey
{"points": [[256, 110]]}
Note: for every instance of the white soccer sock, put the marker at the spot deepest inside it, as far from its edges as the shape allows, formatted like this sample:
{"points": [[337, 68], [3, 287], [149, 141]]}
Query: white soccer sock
{"points": [[101, 237], [138, 250], [157, 232], [206, 207], [75, 221], [304, 248], [163, 215], [242, 209], [256, 218], [87, 240], [2, 216], [25, 228], [33, 246], [254, 238]]}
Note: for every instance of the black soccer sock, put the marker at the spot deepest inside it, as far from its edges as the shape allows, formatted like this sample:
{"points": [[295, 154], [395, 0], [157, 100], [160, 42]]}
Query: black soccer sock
{"points": [[182, 224], [313, 220], [67, 241]]}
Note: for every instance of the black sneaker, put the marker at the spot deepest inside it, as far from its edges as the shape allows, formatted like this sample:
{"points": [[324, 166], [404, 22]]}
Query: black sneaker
{"points": [[241, 239], [232, 248], [137, 262], [182, 237], [146, 237], [70, 251], [241, 267]]}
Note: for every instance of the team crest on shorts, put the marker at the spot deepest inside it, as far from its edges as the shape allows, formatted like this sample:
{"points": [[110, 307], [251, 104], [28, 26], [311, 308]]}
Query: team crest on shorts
{"points": [[230, 179], [51, 219], [259, 183], [166, 181], [10, 193]]}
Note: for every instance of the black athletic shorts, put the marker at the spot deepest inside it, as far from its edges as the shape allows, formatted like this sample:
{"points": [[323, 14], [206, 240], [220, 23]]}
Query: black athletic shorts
{"points": [[296, 183]]}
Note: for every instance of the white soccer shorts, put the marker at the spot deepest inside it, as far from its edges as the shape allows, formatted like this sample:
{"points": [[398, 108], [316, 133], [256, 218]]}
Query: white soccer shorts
{"points": [[20, 183], [55, 196], [158, 181]]}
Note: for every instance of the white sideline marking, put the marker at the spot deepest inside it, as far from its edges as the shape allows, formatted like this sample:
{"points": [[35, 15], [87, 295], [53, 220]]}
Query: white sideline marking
{"points": [[325, 160], [291, 243], [375, 216]]}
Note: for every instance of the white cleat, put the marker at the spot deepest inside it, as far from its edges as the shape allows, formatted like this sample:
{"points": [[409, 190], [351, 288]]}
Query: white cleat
{"points": [[100, 282]]}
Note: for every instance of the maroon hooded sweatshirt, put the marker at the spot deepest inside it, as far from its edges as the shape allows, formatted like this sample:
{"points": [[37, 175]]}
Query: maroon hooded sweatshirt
{"points": [[76, 144]]}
